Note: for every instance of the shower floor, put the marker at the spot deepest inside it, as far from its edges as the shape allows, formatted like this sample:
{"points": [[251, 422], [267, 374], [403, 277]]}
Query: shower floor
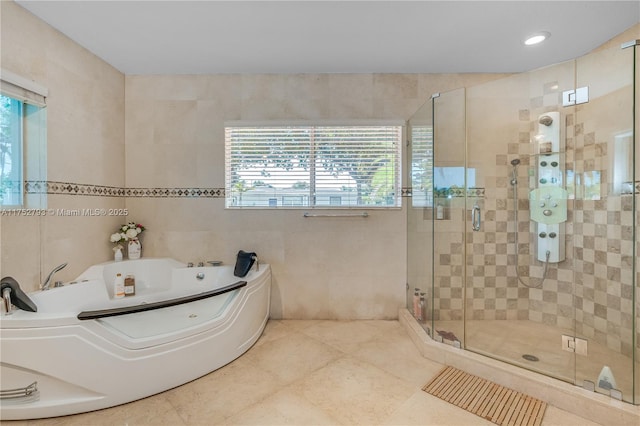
{"points": [[509, 340]]}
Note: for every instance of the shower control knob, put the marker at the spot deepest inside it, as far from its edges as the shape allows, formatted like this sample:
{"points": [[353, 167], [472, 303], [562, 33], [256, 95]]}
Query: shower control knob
{"points": [[554, 204], [547, 212], [543, 181], [542, 204], [554, 164], [542, 234], [552, 235], [543, 163]]}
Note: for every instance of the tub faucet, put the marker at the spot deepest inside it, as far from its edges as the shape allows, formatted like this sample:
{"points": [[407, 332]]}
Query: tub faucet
{"points": [[45, 285], [6, 300]]}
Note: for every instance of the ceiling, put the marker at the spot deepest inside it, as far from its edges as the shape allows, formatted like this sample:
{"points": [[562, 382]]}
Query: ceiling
{"points": [[204, 37]]}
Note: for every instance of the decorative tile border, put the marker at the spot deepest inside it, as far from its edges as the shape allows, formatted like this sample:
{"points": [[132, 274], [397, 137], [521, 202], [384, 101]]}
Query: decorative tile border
{"points": [[175, 192], [452, 192], [35, 187], [54, 187], [473, 192], [71, 188]]}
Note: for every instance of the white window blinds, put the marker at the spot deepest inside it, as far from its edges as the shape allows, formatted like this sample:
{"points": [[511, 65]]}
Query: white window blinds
{"points": [[422, 166], [313, 166]]}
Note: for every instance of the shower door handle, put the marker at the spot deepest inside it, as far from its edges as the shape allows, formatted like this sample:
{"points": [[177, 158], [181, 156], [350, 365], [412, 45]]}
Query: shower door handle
{"points": [[476, 218]]}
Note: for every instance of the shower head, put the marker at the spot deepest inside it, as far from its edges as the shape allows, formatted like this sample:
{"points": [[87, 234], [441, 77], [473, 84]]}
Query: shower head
{"points": [[545, 120], [515, 162]]}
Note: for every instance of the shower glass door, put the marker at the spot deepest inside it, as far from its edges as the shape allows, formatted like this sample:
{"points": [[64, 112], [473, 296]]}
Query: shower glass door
{"points": [[449, 181], [604, 221], [519, 282], [523, 224], [435, 218], [636, 201], [550, 221], [420, 264]]}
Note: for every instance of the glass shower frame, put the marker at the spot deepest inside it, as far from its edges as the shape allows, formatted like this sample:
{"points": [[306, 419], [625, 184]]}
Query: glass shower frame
{"points": [[469, 278]]}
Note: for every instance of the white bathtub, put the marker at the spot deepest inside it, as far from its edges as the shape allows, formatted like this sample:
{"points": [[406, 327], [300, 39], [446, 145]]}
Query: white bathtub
{"points": [[87, 350]]}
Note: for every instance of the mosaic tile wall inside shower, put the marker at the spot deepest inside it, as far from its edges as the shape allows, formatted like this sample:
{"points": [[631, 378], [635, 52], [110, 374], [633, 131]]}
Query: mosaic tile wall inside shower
{"points": [[593, 285]]}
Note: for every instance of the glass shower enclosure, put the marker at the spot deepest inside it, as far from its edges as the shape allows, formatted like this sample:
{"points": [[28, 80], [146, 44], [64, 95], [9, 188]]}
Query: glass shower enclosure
{"points": [[522, 224]]}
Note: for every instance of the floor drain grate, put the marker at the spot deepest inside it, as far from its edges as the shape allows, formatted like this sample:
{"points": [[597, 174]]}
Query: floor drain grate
{"points": [[530, 357]]}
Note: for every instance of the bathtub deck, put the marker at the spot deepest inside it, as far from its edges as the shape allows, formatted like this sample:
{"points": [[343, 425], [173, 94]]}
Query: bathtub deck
{"points": [[308, 372]]}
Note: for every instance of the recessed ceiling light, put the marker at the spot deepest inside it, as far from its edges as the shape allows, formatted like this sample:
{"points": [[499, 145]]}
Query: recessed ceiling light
{"points": [[537, 38]]}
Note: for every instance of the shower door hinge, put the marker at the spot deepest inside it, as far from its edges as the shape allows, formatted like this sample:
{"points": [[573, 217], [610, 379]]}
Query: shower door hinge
{"points": [[631, 43], [574, 344], [575, 97]]}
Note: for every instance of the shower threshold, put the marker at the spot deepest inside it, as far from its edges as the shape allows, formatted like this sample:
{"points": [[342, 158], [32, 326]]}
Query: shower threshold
{"points": [[596, 407]]}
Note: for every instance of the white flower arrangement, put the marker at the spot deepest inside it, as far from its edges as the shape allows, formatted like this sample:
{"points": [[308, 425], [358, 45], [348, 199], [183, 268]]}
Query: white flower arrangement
{"points": [[127, 232]]}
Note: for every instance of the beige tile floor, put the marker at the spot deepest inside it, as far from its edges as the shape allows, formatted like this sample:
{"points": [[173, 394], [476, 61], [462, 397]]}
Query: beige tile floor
{"points": [[307, 373]]}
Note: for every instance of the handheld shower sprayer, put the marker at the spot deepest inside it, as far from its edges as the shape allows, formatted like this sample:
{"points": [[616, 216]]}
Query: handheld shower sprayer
{"points": [[514, 172]]}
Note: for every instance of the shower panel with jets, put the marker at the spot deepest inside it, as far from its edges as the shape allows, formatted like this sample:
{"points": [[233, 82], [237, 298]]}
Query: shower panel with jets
{"points": [[522, 221]]}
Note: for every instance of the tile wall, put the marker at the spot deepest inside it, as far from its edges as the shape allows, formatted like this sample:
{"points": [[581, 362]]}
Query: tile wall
{"points": [[85, 144], [323, 267]]}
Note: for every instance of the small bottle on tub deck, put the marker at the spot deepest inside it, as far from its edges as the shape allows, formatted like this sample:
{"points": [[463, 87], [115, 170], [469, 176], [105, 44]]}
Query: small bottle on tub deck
{"points": [[130, 285], [118, 287]]}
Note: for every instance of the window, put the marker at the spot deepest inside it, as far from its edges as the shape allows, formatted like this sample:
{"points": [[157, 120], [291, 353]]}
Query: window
{"points": [[11, 119], [422, 166], [313, 166], [22, 140], [429, 181]]}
